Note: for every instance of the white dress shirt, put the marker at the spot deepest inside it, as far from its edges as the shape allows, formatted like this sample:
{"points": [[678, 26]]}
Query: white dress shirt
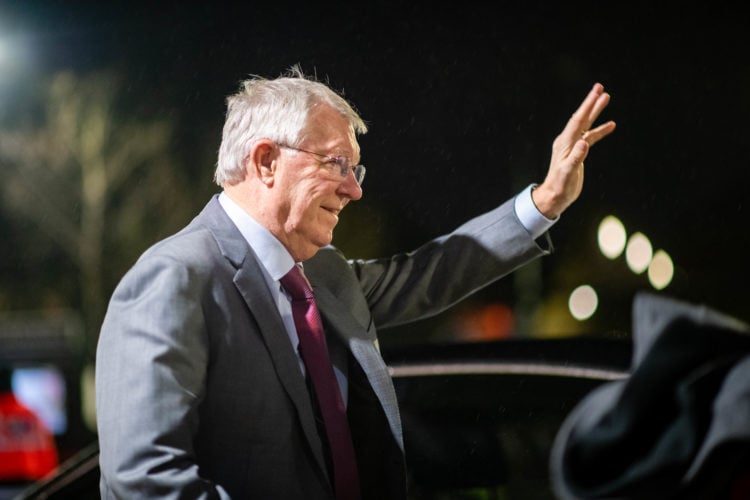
{"points": [[530, 216]]}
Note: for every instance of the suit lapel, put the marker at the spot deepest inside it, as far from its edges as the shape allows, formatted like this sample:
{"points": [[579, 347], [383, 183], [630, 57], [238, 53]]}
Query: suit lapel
{"points": [[362, 345], [276, 339], [250, 283]]}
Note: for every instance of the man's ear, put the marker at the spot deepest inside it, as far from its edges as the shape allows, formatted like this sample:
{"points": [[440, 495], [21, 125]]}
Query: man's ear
{"points": [[262, 160]]}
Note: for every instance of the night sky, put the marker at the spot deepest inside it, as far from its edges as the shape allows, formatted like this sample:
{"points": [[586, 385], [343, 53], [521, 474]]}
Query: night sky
{"points": [[463, 102]]}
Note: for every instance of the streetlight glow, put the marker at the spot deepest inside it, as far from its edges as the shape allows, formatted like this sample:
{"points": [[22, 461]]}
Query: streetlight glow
{"points": [[583, 302], [611, 237], [638, 253], [661, 270]]}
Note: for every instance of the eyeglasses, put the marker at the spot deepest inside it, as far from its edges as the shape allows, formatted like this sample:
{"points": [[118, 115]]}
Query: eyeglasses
{"points": [[342, 162]]}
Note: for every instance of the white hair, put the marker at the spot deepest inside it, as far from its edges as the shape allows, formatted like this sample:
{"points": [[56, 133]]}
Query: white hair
{"points": [[275, 109]]}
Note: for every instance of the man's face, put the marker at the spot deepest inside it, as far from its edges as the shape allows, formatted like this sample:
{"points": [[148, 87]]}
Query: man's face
{"points": [[310, 191]]}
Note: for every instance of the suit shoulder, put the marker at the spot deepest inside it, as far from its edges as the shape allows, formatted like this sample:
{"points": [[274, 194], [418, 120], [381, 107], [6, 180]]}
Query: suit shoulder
{"points": [[329, 266], [327, 256], [192, 243]]}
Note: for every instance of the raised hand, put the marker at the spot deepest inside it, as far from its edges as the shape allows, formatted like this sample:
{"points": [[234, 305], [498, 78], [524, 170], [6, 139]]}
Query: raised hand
{"points": [[564, 179]]}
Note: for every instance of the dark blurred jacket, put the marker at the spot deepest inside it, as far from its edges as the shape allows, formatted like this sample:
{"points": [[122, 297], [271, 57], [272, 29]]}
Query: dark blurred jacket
{"points": [[678, 427]]}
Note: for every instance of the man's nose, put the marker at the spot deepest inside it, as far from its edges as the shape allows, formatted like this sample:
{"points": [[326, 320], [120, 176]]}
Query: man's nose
{"points": [[350, 188]]}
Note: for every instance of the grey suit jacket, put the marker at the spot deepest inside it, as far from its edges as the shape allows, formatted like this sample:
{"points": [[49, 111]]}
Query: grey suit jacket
{"points": [[199, 392]]}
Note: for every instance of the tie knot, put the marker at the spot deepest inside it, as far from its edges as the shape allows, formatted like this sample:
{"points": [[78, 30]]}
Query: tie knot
{"points": [[296, 284]]}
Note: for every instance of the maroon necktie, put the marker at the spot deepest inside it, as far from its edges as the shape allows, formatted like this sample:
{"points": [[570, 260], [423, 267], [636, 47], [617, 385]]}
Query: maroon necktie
{"points": [[314, 352]]}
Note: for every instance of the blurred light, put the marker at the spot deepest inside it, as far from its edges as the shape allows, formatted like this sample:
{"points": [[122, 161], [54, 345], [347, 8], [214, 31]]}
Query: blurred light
{"points": [[638, 253], [15, 59], [88, 396], [611, 236], [42, 389], [490, 322], [4, 53], [10, 54], [583, 302], [661, 270]]}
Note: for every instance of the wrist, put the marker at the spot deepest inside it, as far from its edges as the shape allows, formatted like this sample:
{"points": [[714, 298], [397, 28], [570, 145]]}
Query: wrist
{"points": [[546, 201]]}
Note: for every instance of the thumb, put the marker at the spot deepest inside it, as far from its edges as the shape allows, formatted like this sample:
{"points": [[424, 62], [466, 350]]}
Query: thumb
{"points": [[579, 152]]}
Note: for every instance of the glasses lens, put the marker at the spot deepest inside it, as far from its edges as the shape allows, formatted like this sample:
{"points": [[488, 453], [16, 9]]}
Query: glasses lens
{"points": [[359, 173]]}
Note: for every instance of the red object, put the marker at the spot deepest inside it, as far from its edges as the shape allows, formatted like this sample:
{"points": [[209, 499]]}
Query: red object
{"points": [[314, 352], [27, 447], [741, 486]]}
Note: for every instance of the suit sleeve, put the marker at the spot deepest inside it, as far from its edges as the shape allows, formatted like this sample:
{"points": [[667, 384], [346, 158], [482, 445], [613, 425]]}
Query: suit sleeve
{"points": [[422, 283], [153, 348]]}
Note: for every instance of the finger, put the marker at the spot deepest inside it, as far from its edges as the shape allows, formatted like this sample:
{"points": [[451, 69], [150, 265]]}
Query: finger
{"points": [[590, 101], [581, 119], [601, 102], [579, 152], [595, 135]]}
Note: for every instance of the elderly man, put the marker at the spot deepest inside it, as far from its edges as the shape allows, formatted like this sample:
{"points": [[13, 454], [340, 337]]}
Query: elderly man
{"points": [[238, 358]]}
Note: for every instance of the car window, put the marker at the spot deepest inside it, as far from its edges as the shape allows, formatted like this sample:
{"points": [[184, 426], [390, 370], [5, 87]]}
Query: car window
{"points": [[484, 436]]}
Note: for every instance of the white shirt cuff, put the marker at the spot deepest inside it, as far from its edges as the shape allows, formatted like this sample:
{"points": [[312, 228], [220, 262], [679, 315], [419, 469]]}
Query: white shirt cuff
{"points": [[530, 216]]}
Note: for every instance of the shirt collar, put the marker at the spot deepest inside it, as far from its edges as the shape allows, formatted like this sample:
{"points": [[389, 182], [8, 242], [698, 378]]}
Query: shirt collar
{"points": [[273, 256]]}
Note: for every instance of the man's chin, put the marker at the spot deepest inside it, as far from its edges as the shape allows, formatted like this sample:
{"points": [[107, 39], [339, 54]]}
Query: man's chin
{"points": [[315, 244], [325, 241]]}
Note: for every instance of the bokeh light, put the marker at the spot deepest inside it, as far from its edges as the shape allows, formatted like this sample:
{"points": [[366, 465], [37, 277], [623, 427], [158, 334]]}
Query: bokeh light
{"points": [[611, 236], [660, 270], [12, 56], [583, 302], [638, 253]]}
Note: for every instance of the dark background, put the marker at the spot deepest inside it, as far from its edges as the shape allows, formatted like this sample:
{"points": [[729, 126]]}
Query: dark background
{"points": [[463, 102]]}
